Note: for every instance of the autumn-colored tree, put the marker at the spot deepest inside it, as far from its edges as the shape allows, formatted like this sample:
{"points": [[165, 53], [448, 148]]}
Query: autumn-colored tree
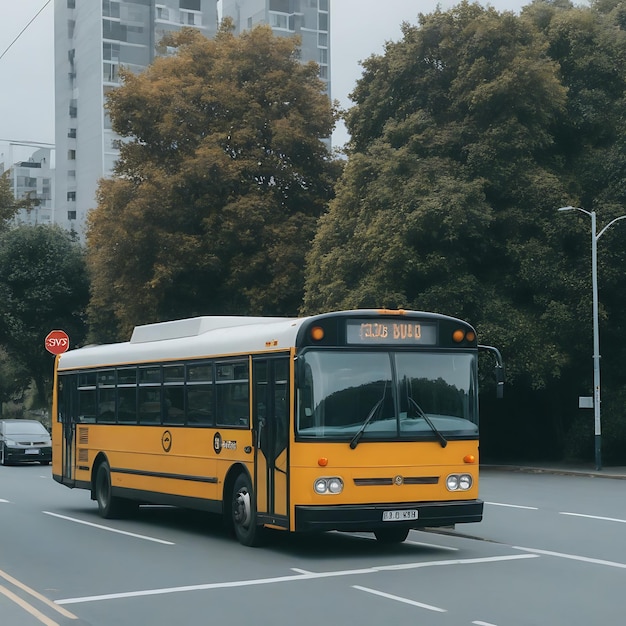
{"points": [[222, 176]]}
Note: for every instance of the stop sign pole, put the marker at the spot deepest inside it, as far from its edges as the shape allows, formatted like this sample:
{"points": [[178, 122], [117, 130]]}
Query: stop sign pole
{"points": [[57, 341]]}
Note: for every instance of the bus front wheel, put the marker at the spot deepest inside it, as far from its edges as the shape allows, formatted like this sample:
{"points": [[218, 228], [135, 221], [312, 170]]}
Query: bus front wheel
{"points": [[243, 513], [109, 506], [391, 535]]}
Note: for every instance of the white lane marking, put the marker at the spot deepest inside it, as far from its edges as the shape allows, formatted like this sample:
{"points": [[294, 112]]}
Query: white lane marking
{"points": [[108, 528], [297, 570], [298, 577], [432, 545], [1, 500], [573, 557], [513, 506], [430, 607], [478, 623], [599, 517]]}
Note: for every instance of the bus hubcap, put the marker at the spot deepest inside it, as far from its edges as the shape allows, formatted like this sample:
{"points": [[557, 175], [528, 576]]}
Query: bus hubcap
{"points": [[242, 508]]}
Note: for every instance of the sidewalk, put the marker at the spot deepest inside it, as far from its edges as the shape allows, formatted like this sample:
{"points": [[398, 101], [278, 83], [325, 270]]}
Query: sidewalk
{"points": [[559, 468]]}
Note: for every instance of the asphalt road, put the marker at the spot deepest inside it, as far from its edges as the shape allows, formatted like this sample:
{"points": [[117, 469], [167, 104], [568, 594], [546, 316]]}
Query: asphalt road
{"points": [[550, 551]]}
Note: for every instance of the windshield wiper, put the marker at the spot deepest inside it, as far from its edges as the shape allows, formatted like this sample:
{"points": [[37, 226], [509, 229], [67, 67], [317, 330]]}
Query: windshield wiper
{"points": [[442, 440], [370, 416]]}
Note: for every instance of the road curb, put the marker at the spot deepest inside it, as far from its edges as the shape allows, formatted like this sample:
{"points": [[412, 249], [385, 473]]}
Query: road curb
{"points": [[563, 471]]}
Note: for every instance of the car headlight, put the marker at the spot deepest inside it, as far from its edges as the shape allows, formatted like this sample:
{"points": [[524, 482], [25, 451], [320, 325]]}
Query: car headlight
{"points": [[328, 485], [10, 442], [459, 482]]}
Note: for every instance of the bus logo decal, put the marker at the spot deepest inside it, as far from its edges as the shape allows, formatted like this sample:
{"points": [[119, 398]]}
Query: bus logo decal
{"points": [[166, 441], [398, 480], [217, 443]]}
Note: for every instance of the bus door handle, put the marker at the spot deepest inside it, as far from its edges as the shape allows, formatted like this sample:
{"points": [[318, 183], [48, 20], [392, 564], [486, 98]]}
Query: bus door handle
{"points": [[261, 422]]}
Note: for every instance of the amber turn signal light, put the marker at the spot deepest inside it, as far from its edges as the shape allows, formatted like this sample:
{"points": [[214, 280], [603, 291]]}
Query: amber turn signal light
{"points": [[317, 333]]}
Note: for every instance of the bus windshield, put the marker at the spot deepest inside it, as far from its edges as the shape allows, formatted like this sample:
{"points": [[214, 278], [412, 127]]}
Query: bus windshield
{"points": [[396, 395]]}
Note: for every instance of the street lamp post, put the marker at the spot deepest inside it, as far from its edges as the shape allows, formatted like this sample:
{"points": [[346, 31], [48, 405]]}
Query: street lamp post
{"points": [[596, 332]]}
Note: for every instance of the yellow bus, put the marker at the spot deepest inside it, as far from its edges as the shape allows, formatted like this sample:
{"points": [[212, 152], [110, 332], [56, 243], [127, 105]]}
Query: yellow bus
{"points": [[361, 420]]}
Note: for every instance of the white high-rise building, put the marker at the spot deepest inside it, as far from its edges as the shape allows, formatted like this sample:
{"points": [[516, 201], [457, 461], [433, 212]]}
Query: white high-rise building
{"points": [[310, 19], [93, 38], [31, 174]]}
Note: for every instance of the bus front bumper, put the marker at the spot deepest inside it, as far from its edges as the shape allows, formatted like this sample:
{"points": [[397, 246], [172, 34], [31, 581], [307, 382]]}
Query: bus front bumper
{"points": [[364, 517]]}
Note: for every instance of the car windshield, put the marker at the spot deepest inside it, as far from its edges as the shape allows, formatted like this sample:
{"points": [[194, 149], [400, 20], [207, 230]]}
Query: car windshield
{"points": [[387, 395], [24, 428]]}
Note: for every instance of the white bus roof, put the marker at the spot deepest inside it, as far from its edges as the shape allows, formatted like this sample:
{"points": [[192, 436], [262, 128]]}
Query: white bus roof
{"points": [[214, 336], [190, 338]]}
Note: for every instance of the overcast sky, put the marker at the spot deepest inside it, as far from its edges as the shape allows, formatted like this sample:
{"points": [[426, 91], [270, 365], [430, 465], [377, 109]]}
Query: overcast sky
{"points": [[359, 28]]}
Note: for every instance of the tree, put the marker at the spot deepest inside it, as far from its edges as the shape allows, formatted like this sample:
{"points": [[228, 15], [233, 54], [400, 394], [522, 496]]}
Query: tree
{"points": [[14, 379], [448, 188], [466, 136], [43, 286], [8, 207], [220, 182]]}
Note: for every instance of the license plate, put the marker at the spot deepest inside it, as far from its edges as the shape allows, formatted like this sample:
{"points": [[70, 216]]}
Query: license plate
{"points": [[32, 451], [399, 516]]}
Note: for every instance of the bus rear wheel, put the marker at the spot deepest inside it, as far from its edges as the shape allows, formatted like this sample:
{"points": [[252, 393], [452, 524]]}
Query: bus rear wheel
{"points": [[109, 506], [243, 513], [391, 535]]}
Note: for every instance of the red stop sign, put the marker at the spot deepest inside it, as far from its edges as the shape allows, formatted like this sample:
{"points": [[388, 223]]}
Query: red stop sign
{"points": [[57, 341]]}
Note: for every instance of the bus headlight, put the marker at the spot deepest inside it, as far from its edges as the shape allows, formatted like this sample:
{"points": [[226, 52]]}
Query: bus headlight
{"points": [[459, 482], [465, 482], [452, 482], [328, 485]]}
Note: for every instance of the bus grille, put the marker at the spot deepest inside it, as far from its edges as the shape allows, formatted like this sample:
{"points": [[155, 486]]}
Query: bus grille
{"points": [[406, 480]]}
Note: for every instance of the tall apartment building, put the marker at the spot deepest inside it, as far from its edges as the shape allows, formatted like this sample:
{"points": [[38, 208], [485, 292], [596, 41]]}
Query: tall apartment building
{"points": [[310, 19], [92, 39], [31, 176]]}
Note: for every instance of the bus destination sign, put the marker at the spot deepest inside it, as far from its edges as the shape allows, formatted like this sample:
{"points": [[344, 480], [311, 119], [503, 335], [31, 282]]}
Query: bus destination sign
{"points": [[406, 332]]}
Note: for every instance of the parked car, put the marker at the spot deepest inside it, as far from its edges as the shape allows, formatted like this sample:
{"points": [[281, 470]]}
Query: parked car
{"points": [[23, 441]]}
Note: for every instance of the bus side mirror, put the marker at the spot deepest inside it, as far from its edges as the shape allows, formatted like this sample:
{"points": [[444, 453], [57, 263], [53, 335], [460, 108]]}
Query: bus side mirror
{"points": [[499, 374], [498, 370]]}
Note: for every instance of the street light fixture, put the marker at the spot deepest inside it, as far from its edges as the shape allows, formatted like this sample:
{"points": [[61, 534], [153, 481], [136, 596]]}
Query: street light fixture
{"points": [[596, 333]]}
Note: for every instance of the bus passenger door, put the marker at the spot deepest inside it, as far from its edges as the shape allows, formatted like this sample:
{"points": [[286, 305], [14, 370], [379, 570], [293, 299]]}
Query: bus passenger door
{"points": [[67, 408], [271, 428]]}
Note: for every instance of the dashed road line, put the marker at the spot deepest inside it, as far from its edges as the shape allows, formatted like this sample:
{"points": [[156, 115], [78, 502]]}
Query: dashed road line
{"points": [[513, 506], [389, 596], [109, 529], [573, 557], [598, 517]]}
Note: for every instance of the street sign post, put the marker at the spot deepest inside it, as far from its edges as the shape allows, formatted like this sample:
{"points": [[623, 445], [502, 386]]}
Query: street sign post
{"points": [[57, 341]]}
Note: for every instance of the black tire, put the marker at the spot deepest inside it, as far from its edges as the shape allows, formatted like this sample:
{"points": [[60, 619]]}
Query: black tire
{"points": [[45, 462], [243, 513], [109, 506], [3, 454], [391, 535]]}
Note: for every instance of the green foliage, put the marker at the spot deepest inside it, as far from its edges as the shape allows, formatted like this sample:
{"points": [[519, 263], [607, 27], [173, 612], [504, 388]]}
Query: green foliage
{"points": [[220, 183], [43, 286], [8, 207], [14, 379], [466, 136]]}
